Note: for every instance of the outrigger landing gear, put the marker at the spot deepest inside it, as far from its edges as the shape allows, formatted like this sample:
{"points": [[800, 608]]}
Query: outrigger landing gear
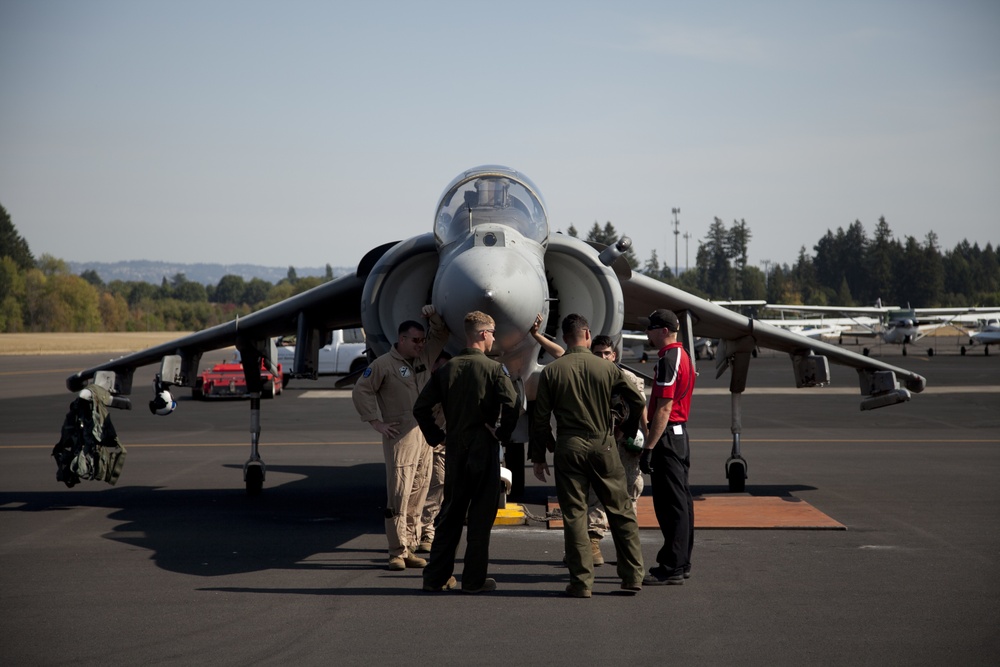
{"points": [[736, 465], [736, 354], [251, 353], [254, 469]]}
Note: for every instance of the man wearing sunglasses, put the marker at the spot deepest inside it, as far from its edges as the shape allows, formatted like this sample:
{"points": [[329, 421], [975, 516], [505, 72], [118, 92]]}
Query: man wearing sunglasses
{"points": [[480, 411], [384, 396]]}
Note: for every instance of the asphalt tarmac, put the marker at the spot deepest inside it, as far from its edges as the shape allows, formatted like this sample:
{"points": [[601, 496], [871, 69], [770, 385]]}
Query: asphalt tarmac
{"points": [[176, 565]]}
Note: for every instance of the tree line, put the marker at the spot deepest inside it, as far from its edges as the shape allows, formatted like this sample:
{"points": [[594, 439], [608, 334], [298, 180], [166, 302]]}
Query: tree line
{"points": [[847, 268], [41, 295]]}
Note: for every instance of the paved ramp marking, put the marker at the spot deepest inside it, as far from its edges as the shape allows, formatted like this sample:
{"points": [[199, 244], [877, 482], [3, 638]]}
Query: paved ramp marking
{"points": [[820, 391]]}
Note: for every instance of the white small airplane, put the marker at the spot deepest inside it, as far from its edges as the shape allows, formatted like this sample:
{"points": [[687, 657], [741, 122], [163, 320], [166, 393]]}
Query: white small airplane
{"points": [[895, 325], [829, 329], [988, 335], [491, 249]]}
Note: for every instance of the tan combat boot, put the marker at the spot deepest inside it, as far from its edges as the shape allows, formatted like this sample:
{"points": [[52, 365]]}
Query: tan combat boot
{"points": [[595, 547]]}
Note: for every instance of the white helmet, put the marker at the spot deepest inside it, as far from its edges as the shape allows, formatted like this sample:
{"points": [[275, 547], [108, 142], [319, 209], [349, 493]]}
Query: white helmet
{"points": [[163, 403]]}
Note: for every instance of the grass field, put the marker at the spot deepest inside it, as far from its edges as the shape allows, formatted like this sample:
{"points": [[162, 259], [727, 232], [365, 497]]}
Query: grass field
{"points": [[83, 343]]}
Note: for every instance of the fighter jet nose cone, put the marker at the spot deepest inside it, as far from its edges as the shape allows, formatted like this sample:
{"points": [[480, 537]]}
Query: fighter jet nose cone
{"points": [[508, 286]]}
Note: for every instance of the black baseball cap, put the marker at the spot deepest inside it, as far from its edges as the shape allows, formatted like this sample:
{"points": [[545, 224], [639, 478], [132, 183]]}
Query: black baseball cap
{"points": [[661, 318]]}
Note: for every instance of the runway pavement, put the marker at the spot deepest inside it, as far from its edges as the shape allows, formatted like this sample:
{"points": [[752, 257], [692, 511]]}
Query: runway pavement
{"points": [[176, 565]]}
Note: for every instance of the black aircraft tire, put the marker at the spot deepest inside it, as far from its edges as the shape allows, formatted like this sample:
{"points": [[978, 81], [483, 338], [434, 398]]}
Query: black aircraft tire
{"points": [[737, 473], [255, 480]]}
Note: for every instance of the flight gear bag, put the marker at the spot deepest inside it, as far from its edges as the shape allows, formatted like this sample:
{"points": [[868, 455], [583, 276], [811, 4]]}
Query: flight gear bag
{"points": [[88, 447]]}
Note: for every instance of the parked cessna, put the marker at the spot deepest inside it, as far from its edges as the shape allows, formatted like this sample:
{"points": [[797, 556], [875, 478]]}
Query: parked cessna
{"points": [[988, 335], [491, 249], [895, 326]]}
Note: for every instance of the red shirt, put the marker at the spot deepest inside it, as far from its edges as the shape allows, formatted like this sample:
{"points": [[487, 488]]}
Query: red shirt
{"points": [[673, 379]]}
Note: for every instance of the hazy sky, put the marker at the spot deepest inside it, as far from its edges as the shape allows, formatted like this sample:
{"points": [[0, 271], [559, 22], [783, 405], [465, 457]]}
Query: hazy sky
{"points": [[305, 133]]}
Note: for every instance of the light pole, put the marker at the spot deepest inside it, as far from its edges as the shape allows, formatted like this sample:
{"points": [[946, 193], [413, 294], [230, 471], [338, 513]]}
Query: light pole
{"points": [[677, 231], [766, 263], [687, 254]]}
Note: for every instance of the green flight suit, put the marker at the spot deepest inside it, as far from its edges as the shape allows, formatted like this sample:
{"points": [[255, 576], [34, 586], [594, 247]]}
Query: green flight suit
{"points": [[475, 392], [577, 389]]}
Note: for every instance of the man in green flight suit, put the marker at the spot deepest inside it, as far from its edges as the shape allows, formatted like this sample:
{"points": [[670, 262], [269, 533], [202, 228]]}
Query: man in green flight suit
{"points": [[480, 411], [577, 389]]}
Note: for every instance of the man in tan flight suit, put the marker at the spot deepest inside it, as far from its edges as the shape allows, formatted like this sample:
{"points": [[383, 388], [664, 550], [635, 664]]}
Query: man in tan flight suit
{"points": [[384, 397]]}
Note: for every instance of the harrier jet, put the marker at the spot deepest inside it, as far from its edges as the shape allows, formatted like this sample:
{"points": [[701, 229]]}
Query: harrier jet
{"points": [[491, 249]]}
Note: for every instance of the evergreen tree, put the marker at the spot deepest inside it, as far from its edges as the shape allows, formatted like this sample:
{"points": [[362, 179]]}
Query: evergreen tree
{"points": [[880, 263], [652, 266], [737, 249], [12, 245], [712, 263]]}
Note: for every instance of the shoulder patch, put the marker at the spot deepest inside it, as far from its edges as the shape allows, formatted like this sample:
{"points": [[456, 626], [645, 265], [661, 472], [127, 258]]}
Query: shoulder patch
{"points": [[504, 369], [367, 373]]}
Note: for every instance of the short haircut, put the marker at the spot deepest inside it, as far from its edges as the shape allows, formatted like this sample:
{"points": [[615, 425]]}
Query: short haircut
{"points": [[409, 324], [573, 325], [477, 320], [603, 341]]}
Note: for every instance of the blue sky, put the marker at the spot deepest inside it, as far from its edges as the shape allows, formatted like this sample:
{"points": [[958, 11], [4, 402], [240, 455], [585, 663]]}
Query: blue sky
{"points": [[306, 133]]}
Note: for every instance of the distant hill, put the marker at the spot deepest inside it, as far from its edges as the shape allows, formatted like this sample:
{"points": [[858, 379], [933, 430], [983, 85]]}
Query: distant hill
{"points": [[207, 274]]}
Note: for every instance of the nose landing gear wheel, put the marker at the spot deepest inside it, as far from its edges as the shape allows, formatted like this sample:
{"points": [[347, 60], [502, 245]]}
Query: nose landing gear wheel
{"points": [[736, 473], [254, 477]]}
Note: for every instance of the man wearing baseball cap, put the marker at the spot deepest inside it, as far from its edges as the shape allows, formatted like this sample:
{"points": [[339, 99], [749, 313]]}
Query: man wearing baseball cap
{"points": [[667, 455]]}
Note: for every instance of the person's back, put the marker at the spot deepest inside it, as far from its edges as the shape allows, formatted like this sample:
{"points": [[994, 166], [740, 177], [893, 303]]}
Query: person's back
{"points": [[475, 378], [576, 389], [580, 384]]}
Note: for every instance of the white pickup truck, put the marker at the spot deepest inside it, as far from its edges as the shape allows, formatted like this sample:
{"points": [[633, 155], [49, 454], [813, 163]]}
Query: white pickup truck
{"points": [[342, 354]]}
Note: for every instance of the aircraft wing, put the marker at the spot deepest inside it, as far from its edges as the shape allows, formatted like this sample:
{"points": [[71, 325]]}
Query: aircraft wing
{"points": [[332, 305], [840, 310], [945, 312], [643, 295]]}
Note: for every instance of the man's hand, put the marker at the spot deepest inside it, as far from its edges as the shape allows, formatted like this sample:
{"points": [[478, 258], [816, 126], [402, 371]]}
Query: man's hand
{"points": [[430, 313], [644, 461], [388, 430], [536, 325], [541, 468]]}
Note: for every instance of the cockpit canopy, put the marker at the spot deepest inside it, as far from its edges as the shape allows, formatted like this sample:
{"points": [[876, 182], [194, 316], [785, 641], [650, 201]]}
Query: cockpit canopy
{"points": [[490, 194]]}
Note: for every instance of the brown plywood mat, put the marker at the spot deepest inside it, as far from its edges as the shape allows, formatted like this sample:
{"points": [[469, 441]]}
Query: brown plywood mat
{"points": [[737, 512]]}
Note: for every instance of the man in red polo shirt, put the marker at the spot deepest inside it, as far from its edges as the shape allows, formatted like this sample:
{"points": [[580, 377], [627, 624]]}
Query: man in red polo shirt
{"points": [[667, 455]]}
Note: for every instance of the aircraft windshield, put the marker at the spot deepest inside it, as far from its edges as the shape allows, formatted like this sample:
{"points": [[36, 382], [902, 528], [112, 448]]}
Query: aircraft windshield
{"points": [[490, 195]]}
